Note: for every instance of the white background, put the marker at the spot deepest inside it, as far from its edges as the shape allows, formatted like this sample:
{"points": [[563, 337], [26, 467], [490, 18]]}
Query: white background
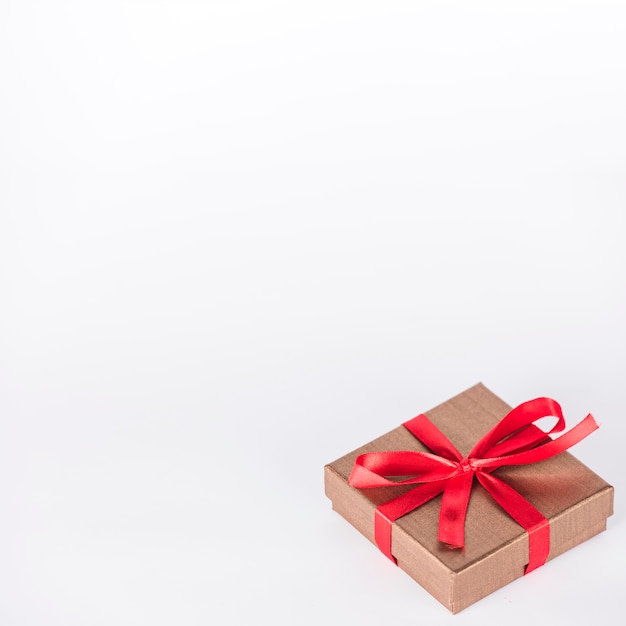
{"points": [[240, 239]]}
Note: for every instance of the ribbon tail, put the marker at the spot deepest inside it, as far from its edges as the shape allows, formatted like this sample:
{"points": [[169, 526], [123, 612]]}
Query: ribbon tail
{"points": [[456, 497], [389, 512], [525, 514]]}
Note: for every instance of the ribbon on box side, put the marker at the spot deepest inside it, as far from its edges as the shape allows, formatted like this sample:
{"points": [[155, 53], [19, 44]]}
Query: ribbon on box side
{"points": [[515, 440]]}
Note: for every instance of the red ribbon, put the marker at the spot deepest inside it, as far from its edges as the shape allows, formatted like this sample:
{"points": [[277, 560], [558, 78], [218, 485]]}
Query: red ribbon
{"points": [[515, 440]]}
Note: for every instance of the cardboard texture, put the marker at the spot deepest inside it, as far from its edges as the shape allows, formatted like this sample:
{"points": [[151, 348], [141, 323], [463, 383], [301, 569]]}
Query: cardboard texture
{"points": [[576, 501]]}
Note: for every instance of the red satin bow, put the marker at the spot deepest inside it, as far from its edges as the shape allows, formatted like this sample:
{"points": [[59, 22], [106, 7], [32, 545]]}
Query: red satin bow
{"points": [[515, 440]]}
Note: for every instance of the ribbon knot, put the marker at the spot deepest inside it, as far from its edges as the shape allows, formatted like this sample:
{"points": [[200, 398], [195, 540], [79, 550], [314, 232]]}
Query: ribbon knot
{"points": [[515, 440], [466, 465]]}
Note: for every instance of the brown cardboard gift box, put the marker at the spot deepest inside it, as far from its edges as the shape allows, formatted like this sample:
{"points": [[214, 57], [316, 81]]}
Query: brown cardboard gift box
{"points": [[575, 500]]}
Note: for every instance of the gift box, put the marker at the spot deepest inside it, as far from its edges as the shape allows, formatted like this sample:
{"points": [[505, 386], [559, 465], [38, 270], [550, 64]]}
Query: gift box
{"points": [[558, 500]]}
